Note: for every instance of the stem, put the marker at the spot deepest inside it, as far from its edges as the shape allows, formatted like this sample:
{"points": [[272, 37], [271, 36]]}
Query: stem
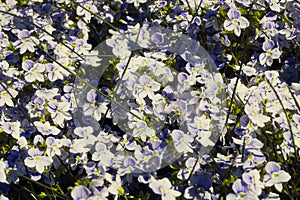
{"points": [[26, 20], [286, 115]]}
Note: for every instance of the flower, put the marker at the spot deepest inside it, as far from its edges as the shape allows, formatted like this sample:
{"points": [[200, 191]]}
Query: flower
{"points": [[146, 87], [46, 128], [182, 141], [53, 146], [142, 130], [80, 192], [191, 165], [33, 71], [136, 2], [102, 154], [54, 72], [163, 187], [116, 187], [200, 128], [6, 95], [241, 191], [12, 128], [25, 41], [270, 53], [37, 160], [96, 105], [275, 176], [59, 112], [275, 5], [85, 9], [236, 22], [252, 178]]}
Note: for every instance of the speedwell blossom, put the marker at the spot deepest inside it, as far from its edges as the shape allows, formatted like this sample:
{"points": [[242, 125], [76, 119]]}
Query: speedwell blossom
{"points": [[136, 2], [37, 160], [241, 191], [6, 95], [59, 112], [46, 128], [33, 71], [275, 176], [270, 53], [25, 41], [236, 22], [164, 188]]}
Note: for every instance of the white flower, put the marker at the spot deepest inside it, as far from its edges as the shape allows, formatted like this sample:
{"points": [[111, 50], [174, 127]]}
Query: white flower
{"points": [[163, 187], [37, 160], [236, 22], [136, 2], [33, 71]]}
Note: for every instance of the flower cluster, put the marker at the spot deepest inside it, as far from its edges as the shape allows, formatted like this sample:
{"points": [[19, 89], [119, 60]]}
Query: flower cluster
{"points": [[139, 99]]}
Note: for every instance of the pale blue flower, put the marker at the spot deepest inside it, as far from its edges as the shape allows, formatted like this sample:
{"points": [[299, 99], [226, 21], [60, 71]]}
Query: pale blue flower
{"points": [[37, 160], [53, 146], [12, 128], [164, 188], [252, 179], [89, 8], [182, 141], [80, 192], [275, 176], [96, 105], [236, 22], [59, 112], [5, 97], [102, 154], [25, 42], [240, 189], [46, 128], [136, 3], [33, 71], [270, 53]]}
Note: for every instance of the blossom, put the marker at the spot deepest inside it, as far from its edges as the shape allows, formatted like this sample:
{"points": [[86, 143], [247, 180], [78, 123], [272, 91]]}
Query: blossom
{"points": [[136, 2], [102, 154], [25, 41], [142, 130], [6, 95], [270, 53], [54, 72], [46, 128], [116, 188], [275, 176], [200, 128], [241, 191], [33, 71], [80, 192], [252, 178], [146, 87], [85, 9], [129, 166], [37, 160], [53, 146], [82, 47], [12, 128], [191, 165], [163, 187], [59, 112], [275, 5], [236, 22], [182, 141], [96, 105]]}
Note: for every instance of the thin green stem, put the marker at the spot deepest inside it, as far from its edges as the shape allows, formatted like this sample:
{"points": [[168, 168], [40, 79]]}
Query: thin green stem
{"points": [[90, 85], [287, 118], [26, 20], [40, 184]]}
